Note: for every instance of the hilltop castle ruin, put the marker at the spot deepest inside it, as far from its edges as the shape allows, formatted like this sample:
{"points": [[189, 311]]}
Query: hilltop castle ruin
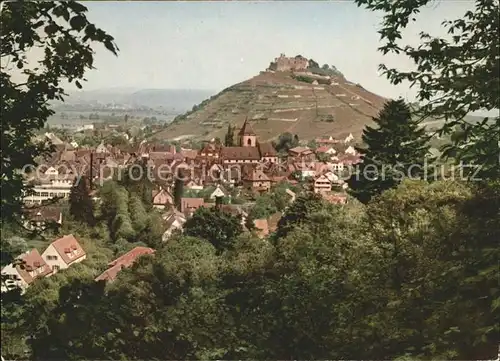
{"points": [[284, 63]]}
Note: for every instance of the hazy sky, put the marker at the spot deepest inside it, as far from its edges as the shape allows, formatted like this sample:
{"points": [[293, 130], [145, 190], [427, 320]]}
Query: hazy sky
{"points": [[211, 45]]}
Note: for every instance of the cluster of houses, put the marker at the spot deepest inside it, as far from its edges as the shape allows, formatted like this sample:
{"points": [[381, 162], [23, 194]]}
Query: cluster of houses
{"points": [[61, 254], [251, 166]]}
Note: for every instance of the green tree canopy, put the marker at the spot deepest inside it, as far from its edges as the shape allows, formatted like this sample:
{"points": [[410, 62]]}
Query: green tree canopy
{"points": [[62, 29], [229, 138], [455, 75], [396, 149], [81, 206], [214, 225]]}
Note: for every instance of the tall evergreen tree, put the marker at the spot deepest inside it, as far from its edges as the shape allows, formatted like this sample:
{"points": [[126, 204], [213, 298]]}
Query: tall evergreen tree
{"points": [[178, 191], [396, 149], [80, 201], [229, 139], [137, 180]]}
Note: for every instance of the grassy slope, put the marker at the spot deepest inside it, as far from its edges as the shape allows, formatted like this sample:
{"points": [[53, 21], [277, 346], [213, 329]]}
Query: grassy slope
{"points": [[272, 101]]}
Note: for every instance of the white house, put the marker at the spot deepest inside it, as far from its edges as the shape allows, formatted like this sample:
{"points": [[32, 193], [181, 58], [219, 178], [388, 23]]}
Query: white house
{"points": [[162, 198], [322, 184], [20, 274], [350, 150], [349, 138], [49, 188], [218, 192], [327, 150], [63, 252], [51, 171], [175, 221]]}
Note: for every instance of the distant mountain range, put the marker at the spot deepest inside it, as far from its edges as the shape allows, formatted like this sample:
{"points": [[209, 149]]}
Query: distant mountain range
{"points": [[174, 100]]}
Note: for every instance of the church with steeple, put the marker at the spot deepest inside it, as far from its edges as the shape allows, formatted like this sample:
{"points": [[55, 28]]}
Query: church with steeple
{"points": [[249, 149], [246, 136]]}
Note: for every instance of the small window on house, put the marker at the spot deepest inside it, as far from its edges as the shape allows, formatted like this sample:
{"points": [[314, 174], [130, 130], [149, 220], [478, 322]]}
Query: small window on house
{"points": [[56, 268], [249, 142]]}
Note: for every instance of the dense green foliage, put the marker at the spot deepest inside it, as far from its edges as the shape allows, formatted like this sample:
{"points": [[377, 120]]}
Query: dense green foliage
{"points": [[215, 226], [395, 149], [229, 138], [276, 200], [127, 217], [411, 274], [455, 74], [65, 34], [178, 192], [419, 281], [81, 206], [285, 142]]}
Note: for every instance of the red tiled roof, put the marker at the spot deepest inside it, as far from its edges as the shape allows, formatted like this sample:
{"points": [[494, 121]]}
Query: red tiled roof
{"points": [[190, 203], [32, 261], [262, 227], [240, 153], [256, 175], [301, 150], [233, 209], [123, 261], [189, 153], [323, 149], [335, 198], [65, 246], [210, 148], [267, 150]]}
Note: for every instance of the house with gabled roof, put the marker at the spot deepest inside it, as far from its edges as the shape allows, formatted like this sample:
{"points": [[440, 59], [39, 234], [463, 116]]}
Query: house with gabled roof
{"points": [[24, 270], [326, 149], [256, 180], [303, 153], [63, 253], [37, 217], [162, 198], [219, 191], [322, 184], [249, 149], [124, 261], [351, 150], [190, 205], [174, 221]]}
